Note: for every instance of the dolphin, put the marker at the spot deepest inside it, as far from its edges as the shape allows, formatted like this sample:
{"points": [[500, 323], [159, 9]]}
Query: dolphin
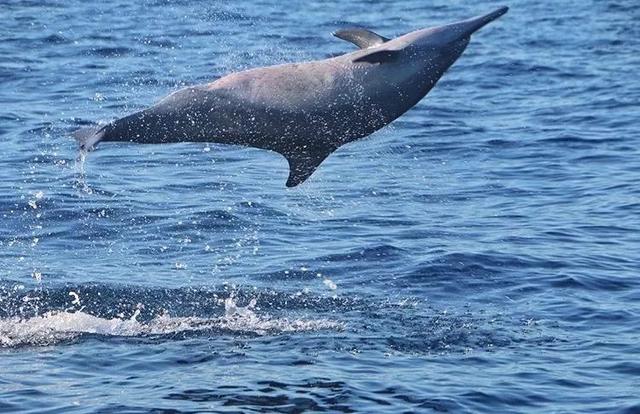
{"points": [[304, 111]]}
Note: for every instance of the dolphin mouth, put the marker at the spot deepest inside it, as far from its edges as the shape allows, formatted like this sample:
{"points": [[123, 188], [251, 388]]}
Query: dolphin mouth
{"points": [[467, 27]]}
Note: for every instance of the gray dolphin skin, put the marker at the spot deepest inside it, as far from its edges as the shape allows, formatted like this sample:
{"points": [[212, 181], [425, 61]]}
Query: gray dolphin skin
{"points": [[307, 110]]}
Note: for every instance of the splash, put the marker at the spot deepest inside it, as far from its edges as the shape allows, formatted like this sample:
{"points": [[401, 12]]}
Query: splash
{"points": [[81, 181], [54, 327]]}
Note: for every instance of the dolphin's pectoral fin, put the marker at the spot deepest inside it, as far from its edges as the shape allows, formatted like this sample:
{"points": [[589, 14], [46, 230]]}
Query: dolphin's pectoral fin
{"points": [[362, 38], [383, 56], [302, 165]]}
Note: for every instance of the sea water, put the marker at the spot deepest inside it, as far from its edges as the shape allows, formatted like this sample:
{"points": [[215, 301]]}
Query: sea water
{"points": [[481, 254]]}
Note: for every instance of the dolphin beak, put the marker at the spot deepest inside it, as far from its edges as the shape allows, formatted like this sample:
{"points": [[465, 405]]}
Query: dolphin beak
{"points": [[466, 28]]}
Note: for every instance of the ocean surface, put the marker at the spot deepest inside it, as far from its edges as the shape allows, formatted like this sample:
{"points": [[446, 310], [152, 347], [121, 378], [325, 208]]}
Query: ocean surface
{"points": [[480, 254]]}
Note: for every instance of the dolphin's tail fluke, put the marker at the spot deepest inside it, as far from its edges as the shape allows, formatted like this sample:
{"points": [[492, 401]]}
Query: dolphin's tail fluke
{"points": [[89, 137]]}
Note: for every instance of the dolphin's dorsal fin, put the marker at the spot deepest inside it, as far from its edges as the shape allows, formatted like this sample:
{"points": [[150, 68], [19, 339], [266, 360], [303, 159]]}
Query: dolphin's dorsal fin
{"points": [[362, 38], [303, 164]]}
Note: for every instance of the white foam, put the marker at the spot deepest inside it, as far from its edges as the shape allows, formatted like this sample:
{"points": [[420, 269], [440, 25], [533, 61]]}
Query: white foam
{"points": [[81, 181], [58, 326]]}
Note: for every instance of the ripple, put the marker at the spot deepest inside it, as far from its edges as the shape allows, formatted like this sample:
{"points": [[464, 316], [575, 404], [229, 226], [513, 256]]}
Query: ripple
{"points": [[110, 52], [56, 39], [375, 253]]}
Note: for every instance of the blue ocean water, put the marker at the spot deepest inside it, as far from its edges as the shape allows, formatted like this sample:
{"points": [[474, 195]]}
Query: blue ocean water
{"points": [[481, 254]]}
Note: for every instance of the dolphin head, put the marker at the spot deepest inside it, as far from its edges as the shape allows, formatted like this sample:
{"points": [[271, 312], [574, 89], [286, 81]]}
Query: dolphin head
{"points": [[441, 46], [428, 53], [444, 38]]}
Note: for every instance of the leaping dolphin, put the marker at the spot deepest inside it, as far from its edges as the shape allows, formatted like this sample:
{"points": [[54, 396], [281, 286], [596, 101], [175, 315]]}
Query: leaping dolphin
{"points": [[304, 111]]}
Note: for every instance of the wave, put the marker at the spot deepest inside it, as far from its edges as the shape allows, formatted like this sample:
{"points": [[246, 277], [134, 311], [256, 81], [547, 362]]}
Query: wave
{"points": [[66, 314], [53, 327]]}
